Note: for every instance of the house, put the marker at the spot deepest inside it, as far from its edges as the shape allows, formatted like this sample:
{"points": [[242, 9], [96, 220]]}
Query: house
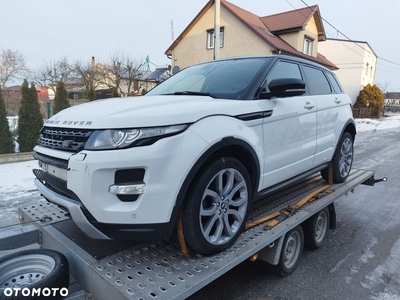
{"points": [[12, 99], [392, 98], [356, 61], [132, 80], [297, 32], [392, 102]]}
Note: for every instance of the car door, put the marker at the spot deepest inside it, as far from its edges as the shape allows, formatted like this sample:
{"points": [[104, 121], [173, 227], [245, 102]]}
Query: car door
{"points": [[290, 132], [329, 103]]}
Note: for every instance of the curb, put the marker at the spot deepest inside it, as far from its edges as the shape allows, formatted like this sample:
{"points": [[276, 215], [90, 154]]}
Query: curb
{"points": [[15, 157]]}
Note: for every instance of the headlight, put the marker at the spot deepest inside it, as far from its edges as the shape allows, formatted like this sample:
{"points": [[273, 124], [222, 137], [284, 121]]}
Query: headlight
{"points": [[123, 138]]}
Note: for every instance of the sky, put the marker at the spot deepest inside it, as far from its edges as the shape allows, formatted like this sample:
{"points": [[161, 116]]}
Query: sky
{"points": [[46, 30]]}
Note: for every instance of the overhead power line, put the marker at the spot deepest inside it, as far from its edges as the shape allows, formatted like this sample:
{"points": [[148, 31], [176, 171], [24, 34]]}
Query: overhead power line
{"points": [[389, 61]]}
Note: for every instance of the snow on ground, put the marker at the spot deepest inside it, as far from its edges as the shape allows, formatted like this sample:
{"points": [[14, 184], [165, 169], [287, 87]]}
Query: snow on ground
{"points": [[17, 187], [378, 124]]}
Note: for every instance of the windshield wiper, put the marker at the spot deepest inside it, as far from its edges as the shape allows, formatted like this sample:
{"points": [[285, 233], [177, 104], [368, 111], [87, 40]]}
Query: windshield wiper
{"points": [[192, 93]]}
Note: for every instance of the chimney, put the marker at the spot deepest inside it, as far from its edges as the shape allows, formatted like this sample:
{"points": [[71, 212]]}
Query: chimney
{"points": [[93, 62]]}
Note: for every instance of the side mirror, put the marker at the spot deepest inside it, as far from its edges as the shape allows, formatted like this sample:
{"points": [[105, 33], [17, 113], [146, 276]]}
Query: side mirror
{"points": [[284, 87]]}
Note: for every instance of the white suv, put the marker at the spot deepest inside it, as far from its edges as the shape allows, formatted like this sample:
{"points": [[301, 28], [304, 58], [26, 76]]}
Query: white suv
{"points": [[207, 142]]}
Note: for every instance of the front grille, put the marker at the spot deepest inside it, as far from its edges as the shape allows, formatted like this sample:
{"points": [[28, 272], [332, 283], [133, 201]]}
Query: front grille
{"points": [[57, 162], [56, 184], [73, 140]]}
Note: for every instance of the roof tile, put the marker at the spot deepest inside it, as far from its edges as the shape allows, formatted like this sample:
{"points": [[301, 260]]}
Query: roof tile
{"points": [[294, 19]]}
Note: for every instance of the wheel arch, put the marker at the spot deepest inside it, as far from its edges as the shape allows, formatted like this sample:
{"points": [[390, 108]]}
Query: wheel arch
{"points": [[232, 146], [350, 128]]}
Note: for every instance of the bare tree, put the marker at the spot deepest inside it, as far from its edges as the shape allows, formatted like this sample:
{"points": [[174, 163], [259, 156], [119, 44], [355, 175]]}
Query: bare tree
{"points": [[110, 74], [53, 72], [12, 66], [120, 73], [87, 74], [132, 70], [122, 70]]}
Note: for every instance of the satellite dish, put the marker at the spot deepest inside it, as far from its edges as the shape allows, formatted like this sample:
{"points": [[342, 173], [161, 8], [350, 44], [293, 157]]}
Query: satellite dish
{"points": [[176, 70]]}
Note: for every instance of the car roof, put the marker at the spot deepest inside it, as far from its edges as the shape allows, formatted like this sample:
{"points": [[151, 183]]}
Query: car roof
{"points": [[275, 57]]}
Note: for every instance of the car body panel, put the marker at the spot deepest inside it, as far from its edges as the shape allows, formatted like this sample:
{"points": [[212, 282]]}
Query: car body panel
{"points": [[289, 138]]}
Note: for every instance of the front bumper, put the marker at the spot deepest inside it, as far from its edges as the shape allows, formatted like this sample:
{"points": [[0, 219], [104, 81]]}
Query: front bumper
{"points": [[101, 231], [93, 201], [74, 208]]}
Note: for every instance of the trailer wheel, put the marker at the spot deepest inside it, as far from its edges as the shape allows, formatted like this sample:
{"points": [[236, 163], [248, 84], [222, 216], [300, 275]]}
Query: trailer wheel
{"points": [[33, 269], [316, 228], [215, 209], [342, 160], [291, 251]]}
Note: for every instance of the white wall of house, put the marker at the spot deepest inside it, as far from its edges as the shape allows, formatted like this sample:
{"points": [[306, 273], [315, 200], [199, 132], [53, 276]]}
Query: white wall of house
{"points": [[356, 62]]}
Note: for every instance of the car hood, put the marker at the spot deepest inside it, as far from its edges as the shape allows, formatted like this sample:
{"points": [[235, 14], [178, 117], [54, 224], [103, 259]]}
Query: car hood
{"points": [[148, 111]]}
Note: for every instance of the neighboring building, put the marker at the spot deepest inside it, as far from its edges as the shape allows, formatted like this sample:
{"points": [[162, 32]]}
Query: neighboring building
{"points": [[46, 100], [392, 102], [145, 80], [392, 98], [296, 33], [12, 99], [142, 78], [356, 61]]}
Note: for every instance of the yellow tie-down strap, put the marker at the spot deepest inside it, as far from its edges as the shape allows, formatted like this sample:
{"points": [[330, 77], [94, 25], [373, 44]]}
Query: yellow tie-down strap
{"points": [[277, 217]]}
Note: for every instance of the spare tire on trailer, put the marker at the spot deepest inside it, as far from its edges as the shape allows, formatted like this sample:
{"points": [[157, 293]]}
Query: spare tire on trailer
{"points": [[26, 271]]}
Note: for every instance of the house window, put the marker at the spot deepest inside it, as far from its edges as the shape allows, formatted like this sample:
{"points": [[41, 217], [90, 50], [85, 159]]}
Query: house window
{"points": [[210, 38], [308, 45], [366, 69]]}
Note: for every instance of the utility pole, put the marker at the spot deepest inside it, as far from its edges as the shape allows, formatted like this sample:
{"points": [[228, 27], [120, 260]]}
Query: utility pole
{"points": [[172, 30], [217, 14]]}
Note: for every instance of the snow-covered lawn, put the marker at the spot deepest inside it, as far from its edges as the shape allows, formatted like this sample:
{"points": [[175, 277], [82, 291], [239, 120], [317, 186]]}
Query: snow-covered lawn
{"points": [[378, 124]]}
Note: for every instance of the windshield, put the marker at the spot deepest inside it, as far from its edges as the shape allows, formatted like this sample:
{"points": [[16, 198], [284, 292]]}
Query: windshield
{"points": [[225, 79]]}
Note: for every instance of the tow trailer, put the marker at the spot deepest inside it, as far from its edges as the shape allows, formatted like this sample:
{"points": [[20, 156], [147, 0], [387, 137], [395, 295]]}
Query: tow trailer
{"points": [[276, 230]]}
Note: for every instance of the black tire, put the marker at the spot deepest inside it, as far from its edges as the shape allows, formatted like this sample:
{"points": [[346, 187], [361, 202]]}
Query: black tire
{"points": [[316, 229], [291, 252], [216, 207], [342, 160], [33, 269]]}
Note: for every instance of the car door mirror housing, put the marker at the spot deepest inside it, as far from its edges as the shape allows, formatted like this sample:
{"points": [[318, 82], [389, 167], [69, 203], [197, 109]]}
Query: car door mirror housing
{"points": [[284, 87]]}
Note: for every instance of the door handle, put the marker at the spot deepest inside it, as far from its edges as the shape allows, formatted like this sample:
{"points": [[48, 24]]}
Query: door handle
{"points": [[337, 101], [309, 106]]}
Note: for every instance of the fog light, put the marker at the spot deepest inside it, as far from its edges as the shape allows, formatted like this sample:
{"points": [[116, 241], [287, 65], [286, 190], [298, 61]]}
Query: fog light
{"points": [[127, 189]]}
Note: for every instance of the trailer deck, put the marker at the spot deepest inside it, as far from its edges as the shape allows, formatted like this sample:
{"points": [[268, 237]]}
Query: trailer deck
{"points": [[159, 270]]}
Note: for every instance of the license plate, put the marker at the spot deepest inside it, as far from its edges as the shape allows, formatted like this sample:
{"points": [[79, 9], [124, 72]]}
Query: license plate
{"points": [[53, 170]]}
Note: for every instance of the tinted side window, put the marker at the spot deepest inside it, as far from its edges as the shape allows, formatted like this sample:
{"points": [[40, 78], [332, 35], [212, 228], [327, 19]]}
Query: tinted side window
{"points": [[316, 81], [334, 82], [283, 69]]}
